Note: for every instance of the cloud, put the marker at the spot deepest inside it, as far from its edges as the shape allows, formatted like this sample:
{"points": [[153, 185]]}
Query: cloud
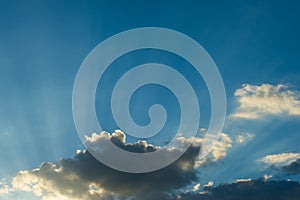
{"points": [[267, 177], [266, 99], [119, 139], [84, 177], [196, 187], [244, 138], [209, 184], [220, 149], [288, 162], [218, 152], [280, 160], [5, 189], [51, 181], [292, 168], [247, 190]]}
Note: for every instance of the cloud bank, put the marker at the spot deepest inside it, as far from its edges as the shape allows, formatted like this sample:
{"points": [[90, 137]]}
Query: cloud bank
{"points": [[259, 101], [247, 190], [84, 177]]}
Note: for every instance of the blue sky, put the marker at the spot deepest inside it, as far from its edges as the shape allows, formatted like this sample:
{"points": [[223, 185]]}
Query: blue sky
{"points": [[43, 43]]}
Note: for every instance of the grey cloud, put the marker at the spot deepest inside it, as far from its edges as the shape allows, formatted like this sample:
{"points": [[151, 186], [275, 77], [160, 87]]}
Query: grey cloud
{"points": [[292, 168], [247, 190], [84, 177]]}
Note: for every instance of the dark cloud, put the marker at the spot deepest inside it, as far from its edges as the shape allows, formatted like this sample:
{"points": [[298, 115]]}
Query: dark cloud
{"points": [[248, 190], [170, 178], [84, 177], [292, 168]]}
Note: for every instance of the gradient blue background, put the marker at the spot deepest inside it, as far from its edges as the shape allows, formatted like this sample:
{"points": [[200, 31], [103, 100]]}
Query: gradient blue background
{"points": [[42, 44]]}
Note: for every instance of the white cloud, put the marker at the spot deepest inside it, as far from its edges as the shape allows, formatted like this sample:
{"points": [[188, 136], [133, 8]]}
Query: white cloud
{"points": [[219, 150], [5, 189], [244, 138], [266, 99], [96, 142], [243, 180], [182, 141], [280, 160], [209, 184], [196, 187], [222, 145], [267, 177], [51, 182]]}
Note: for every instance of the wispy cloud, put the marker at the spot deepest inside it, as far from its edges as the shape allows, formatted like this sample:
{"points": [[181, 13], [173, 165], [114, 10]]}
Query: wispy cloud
{"points": [[244, 138], [3, 133], [257, 101]]}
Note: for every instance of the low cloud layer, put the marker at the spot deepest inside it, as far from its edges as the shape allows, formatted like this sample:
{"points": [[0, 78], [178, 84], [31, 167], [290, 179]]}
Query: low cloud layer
{"points": [[84, 177], [247, 190], [266, 99]]}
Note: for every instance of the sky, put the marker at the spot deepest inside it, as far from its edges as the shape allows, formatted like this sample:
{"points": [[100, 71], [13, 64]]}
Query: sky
{"points": [[255, 47]]}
